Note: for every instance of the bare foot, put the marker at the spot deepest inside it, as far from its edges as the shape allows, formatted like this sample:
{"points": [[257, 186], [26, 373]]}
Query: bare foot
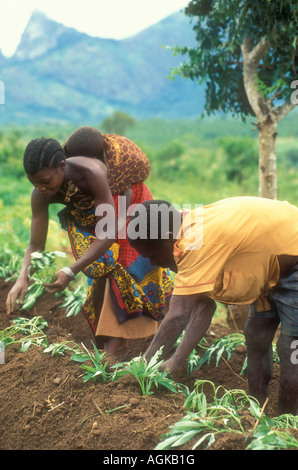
{"points": [[112, 345]]}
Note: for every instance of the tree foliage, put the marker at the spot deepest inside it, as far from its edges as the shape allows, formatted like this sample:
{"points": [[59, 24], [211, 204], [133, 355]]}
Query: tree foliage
{"points": [[118, 123], [270, 28]]}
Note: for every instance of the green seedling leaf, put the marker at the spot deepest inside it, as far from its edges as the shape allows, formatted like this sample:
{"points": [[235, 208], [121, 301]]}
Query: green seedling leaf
{"points": [[25, 345], [77, 357]]}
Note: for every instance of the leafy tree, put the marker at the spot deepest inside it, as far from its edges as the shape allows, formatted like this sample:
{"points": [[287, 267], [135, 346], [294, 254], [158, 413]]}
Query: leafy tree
{"points": [[118, 123], [241, 157], [246, 54]]}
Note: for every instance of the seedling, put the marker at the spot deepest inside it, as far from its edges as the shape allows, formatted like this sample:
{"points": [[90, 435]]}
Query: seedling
{"points": [[59, 349], [98, 369], [32, 328], [74, 300], [42, 270], [208, 420], [10, 266], [221, 346], [268, 437], [194, 358], [147, 373]]}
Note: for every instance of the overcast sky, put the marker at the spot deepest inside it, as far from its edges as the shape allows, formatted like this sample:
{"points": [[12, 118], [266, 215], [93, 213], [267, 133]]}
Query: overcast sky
{"points": [[103, 18]]}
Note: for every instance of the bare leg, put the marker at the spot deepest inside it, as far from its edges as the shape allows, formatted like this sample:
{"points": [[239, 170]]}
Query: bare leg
{"points": [[288, 387], [112, 345], [259, 334]]}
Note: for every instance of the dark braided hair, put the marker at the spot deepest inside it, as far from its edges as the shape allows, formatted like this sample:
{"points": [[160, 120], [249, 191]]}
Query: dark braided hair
{"points": [[42, 153], [84, 142]]}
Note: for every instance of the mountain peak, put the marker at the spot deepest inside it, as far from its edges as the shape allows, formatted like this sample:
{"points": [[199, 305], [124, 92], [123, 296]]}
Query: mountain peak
{"points": [[71, 76], [40, 35]]}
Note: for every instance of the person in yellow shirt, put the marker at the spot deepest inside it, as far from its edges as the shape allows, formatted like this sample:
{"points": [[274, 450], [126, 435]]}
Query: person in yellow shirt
{"points": [[241, 250]]}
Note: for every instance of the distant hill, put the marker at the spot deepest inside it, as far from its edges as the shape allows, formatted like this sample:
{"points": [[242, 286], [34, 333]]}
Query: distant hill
{"points": [[58, 74]]}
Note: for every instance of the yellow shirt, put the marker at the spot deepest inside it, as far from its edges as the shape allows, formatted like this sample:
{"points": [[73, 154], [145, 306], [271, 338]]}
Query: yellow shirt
{"points": [[228, 250]]}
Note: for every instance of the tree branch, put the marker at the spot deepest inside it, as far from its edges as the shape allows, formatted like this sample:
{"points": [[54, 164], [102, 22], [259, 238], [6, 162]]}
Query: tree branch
{"points": [[283, 110], [250, 73], [258, 52]]}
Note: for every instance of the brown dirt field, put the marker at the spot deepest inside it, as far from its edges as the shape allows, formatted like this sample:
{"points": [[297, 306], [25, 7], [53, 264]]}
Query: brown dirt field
{"points": [[45, 405]]}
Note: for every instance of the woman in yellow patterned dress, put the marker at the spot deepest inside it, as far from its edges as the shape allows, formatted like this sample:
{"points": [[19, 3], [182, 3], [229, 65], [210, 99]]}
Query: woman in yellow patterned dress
{"points": [[127, 297]]}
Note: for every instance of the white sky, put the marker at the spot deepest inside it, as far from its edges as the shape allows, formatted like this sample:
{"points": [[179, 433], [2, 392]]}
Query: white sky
{"points": [[103, 18]]}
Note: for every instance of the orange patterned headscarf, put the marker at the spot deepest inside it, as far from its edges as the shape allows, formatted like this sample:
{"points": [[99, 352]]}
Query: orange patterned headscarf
{"points": [[126, 162]]}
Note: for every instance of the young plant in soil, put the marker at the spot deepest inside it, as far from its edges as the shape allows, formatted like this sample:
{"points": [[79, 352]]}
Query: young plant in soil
{"points": [[98, 369], [225, 415], [59, 349], [208, 420], [74, 300], [274, 434], [220, 347], [147, 374], [10, 265], [31, 328], [42, 270]]}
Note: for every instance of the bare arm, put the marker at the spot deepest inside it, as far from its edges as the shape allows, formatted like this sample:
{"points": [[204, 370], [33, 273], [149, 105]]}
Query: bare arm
{"points": [[192, 313], [39, 229], [96, 183]]}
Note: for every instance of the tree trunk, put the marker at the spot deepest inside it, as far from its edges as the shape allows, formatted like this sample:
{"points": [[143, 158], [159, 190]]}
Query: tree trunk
{"points": [[267, 122], [267, 158], [267, 115]]}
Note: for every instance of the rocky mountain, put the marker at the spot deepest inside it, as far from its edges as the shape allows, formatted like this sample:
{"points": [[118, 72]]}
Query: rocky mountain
{"points": [[58, 74]]}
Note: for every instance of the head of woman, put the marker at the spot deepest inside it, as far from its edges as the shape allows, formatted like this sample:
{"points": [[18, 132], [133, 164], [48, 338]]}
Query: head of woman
{"points": [[44, 164]]}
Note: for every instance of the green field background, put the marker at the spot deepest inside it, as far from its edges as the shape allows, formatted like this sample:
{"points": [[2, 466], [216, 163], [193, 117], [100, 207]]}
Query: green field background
{"points": [[195, 161]]}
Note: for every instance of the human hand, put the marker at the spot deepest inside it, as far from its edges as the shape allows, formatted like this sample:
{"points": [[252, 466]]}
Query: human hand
{"points": [[61, 282], [18, 291]]}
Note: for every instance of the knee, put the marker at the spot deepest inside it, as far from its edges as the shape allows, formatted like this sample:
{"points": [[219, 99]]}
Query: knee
{"points": [[258, 334], [252, 333]]}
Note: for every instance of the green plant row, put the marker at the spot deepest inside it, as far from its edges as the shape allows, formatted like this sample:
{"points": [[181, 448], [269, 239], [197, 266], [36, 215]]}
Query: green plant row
{"points": [[96, 367], [94, 363], [203, 422], [26, 332]]}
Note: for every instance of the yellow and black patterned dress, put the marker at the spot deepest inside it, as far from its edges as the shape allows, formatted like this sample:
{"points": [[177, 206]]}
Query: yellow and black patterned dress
{"points": [[136, 288]]}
